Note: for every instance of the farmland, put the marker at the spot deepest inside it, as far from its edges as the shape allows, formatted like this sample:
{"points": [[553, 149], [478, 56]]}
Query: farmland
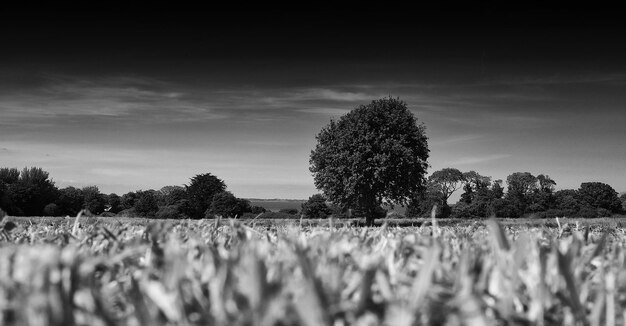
{"points": [[124, 271]]}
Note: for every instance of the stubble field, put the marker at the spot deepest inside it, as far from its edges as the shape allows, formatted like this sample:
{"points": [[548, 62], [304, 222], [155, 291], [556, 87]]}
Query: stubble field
{"points": [[94, 271]]}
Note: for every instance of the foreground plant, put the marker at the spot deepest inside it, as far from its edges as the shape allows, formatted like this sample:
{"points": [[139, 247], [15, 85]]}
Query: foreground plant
{"points": [[97, 272]]}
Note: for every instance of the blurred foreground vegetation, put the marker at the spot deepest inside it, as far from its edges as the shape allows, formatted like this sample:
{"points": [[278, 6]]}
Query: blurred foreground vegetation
{"points": [[123, 271]]}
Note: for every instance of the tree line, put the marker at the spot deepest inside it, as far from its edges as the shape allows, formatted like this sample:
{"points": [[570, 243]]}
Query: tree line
{"points": [[526, 195], [372, 157], [31, 192], [376, 155]]}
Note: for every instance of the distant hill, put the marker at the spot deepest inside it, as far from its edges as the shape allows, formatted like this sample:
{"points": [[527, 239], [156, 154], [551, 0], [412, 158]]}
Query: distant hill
{"points": [[275, 205]]}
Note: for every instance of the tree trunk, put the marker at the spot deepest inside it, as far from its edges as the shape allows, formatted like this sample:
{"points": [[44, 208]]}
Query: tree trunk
{"points": [[370, 215]]}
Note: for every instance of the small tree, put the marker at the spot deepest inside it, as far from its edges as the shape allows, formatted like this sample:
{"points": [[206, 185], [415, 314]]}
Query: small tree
{"points": [[227, 205], [599, 195], [147, 203], [70, 200], [521, 185], [94, 200], [316, 207], [375, 154], [127, 201], [172, 195], [113, 203], [446, 182], [473, 182], [201, 190], [422, 204], [51, 209]]}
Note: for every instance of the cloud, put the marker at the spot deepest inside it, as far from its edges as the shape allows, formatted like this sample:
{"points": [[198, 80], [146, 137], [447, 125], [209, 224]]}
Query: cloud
{"points": [[325, 111], [457, 139], [101, 100], [327, 94], [588, 78], [480, 159]]}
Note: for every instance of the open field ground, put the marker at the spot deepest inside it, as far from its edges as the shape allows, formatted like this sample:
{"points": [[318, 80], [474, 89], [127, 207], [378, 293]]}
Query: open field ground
{"points": [[126, 271]]}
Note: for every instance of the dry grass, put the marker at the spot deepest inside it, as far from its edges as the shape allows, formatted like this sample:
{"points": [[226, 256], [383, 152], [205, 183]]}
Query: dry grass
{"points": [[97, 272]]}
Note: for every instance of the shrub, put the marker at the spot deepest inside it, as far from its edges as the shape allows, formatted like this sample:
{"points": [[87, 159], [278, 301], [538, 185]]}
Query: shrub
{"points": [[128, 213], [587, 212], [603, 212], [51, 209], [147, 203], [169, 212], [278, 215], [461, 210], [227, 205], [257, 210], [292, 211], [108, 214], [316, 207], [503, 207]]}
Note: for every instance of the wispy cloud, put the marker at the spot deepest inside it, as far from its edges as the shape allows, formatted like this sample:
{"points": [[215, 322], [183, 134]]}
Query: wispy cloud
{"points": [[457, 139], [325, 111], [141, 100], [480, 159]]}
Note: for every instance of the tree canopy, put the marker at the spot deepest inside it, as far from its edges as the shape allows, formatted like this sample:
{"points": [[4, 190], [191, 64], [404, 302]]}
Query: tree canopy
{"points": [[201, 190], [375, 154]]}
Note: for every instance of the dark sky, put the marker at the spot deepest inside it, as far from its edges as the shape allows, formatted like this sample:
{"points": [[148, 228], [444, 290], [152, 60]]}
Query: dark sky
{"points": [[134, 98]]}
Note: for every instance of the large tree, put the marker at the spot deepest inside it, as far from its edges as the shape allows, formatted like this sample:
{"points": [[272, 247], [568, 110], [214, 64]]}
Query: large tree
{"points": [[375, 154], [201, 190]]}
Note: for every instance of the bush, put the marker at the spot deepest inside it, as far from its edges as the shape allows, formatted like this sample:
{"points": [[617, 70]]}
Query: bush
{"points": [[278, 215], [603, 212], [587, 212], [108, 214], [379, 213], [292, 211], [146, 203], [257, 210], [226, 204], [51, 210], [461, 210], [128, 213], [502, 207], [169, 212], [316, 207], [250, 215]]}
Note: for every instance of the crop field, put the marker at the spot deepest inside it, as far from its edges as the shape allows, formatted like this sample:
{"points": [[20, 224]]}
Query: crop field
{"points": [[94, 271]]}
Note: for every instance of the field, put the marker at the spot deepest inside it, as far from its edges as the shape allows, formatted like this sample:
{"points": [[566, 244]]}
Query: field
{"points": [[122, 271]]}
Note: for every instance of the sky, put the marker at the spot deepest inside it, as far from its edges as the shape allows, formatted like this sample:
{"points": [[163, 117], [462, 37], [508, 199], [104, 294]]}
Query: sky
{"points": [[130, 101]]}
